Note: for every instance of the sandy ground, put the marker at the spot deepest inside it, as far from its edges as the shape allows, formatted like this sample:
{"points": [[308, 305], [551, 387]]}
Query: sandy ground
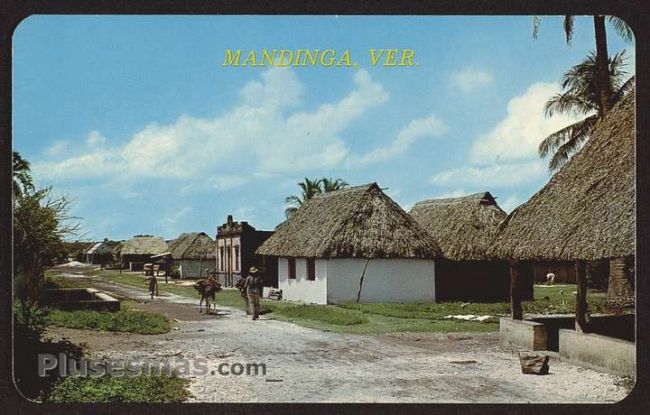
{"points": [[306, 365]]}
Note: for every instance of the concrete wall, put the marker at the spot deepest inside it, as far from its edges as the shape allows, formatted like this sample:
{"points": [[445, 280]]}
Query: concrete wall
{"points": [[300, 288], [599, 352], [523, 334], [386, 280]]}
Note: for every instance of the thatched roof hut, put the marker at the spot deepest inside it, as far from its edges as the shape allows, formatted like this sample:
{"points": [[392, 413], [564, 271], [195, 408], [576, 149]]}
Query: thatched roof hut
{"points": [[463, 226], [192, 245], [587, 210], [144, 245], [356, 222]]}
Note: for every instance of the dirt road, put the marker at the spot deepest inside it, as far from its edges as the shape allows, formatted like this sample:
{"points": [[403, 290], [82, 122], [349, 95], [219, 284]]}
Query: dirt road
{"points": [[305, 365]]}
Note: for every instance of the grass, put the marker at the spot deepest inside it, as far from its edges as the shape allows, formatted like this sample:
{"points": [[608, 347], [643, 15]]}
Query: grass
{"points": [[125, 320], [109, 389], [381, 318]]}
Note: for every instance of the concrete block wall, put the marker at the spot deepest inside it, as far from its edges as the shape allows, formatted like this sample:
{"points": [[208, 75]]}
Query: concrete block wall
{"points": [[599, 352], [523, 334]]}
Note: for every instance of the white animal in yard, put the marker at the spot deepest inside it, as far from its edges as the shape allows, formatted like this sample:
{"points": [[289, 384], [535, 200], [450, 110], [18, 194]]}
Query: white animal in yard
{"points": [[550, 278]]}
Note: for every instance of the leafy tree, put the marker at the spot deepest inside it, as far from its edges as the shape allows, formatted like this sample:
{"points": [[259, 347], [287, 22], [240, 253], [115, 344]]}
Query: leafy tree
{"points": [[581, 96], [40, 224], [310, 188]]}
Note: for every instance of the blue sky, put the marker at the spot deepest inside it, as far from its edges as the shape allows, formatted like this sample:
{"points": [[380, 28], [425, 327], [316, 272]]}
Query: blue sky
{"points": [[136, 119]]}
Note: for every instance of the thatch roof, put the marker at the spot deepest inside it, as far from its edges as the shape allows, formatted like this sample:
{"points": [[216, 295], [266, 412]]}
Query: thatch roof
{"points": [[587, 209], [104, 248], [144, 245], [463, 226], [357, 222], [193, 245]]}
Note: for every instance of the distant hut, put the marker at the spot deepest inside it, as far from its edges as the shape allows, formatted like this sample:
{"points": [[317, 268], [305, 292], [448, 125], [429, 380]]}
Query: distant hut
{"points": [[353, 242], [138, 250], [236, 245], [464, 228], [101, 253], [192, 253], [586, 211]]}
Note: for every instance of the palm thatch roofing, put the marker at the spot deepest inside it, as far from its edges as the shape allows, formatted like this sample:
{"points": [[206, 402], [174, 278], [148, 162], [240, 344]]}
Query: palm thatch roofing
{"points": [[587, 210], [356, 222], [144, 245], [463, 226], [104, 248], [192, 245]]}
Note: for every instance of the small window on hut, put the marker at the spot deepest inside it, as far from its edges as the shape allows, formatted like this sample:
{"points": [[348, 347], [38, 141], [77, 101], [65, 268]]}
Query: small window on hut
{"points": [[311, 269], [291, 273]]}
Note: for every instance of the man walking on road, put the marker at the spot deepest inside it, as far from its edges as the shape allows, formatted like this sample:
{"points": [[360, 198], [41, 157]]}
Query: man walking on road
{"points": [[253, 286]]}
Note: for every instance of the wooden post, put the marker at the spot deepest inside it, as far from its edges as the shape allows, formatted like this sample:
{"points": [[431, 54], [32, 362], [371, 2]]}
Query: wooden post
{"points": [[517, 311], [581, 296]]}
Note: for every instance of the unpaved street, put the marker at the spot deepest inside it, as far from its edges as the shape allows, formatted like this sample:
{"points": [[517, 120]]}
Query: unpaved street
{"points": [[306, 365]]}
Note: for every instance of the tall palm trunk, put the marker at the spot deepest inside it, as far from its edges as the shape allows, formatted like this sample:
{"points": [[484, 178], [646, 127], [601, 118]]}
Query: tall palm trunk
{"points": [[620, 292], [604, 84]]}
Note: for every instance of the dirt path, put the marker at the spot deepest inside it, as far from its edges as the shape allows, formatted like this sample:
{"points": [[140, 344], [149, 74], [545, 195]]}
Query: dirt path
{"points": [[305, 365]]}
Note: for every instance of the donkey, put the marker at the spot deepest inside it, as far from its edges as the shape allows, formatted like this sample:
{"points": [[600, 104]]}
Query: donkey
{"points": [[207, 288]]}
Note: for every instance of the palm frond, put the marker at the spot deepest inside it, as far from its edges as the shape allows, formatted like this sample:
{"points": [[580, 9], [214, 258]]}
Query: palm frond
{"points": [[568, 149], [537, 21], [567, 103], [622, 28], [555, 141], [568, 24]]}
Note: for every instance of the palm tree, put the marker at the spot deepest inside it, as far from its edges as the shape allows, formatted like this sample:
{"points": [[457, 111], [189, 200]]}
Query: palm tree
{"points": [[329, 184], [310, 188], [22, 178], [581, 96], [605, 93]]}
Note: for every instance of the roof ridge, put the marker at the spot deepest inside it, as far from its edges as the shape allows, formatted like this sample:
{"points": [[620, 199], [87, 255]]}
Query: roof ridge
{"points": [[457, 199], [346, 190]]}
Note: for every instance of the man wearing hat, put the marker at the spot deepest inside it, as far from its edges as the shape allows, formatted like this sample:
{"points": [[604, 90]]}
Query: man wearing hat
{"points": [[253, 286]]}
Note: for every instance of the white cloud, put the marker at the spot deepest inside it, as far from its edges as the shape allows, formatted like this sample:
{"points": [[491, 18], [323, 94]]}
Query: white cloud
{"points": [[517, 136], [469, 79], [510, 203], [417, 129], [227, 182], [261, 133], [95, 139], [57, 149], [494, 176]]}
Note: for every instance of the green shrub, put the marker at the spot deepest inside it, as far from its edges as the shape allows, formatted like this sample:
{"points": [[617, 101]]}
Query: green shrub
{"points": [[163, 389]]}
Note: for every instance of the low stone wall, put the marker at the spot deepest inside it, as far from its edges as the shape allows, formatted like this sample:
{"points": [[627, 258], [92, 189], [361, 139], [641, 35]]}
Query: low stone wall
{"points": [[599, 352], [81, 299], [523, 334]]}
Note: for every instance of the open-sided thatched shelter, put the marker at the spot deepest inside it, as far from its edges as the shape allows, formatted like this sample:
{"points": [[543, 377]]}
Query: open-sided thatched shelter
{"points": [[139, 249], [587, 210], [192, 253], [464, 227], [103, 253], [338, 241]]}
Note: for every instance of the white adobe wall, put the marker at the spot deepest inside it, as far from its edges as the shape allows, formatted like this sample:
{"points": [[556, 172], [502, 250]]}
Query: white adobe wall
{"points": [[301, 289], [191, 268], [386, 280]]}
